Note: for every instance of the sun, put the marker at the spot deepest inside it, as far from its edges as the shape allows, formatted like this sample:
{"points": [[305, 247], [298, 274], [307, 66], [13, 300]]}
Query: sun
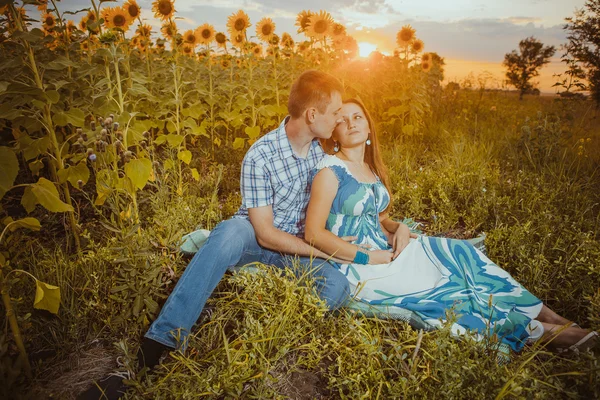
{"points": [[364, 49]]}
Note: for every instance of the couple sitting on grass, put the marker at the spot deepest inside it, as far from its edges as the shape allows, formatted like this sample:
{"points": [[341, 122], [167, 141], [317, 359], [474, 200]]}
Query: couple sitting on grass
{"points": [[330, 210]]}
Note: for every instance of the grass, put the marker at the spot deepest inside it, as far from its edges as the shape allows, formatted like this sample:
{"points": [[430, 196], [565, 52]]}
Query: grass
{"points": [[484, 163]]}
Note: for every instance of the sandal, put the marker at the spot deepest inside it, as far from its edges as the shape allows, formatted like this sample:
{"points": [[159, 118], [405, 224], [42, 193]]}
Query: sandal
{"points": [[586, 343]]}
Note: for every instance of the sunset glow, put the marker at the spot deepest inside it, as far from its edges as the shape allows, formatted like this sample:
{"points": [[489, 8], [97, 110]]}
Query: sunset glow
{"points": [[364, 48]]}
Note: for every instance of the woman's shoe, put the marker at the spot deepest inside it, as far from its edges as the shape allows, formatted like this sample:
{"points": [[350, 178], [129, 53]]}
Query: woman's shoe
{"points": [[586, 343]]}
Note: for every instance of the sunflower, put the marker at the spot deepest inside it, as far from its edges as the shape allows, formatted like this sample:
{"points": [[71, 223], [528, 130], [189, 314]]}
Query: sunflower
{"points": [[144, 30], [70, 27], [3, 9], [320, 25], [303, 47], [48, 22], [169, 30], [238, 61], [426, 66], [205, 34], [286, 40], [190, 37], [257, 50], [90, 19], [42, 5], [274, 40], [417, 46], [265, 29], [426, 58], [163, 9], [338, 31], [225, 63], [238, 23], [303, 20], [221, 39], [143, 44], [202, 55], [237, 40], [85, 45], [83, 24], [117, 18], [405, 36], [133, 9], [135, 41], [188, 49]]}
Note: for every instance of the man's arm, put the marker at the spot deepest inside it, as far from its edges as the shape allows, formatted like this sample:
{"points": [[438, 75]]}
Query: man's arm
{"points": [[274, 239]]}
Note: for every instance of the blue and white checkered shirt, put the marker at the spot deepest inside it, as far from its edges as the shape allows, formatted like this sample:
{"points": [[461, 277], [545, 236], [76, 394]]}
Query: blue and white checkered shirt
{"points": [[273, 175]]}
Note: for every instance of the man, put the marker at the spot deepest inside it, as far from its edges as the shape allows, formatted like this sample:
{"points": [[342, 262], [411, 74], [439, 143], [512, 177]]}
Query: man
{"points": [[268, 226]]}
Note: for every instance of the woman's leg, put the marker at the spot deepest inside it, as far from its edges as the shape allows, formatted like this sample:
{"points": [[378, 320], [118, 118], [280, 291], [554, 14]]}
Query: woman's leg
{"points": [[561, 337], [548, 316]]}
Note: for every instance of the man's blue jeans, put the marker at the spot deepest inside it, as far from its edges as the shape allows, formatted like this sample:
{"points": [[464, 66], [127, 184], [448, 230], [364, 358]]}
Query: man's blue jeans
{"points": [[231, 243]]}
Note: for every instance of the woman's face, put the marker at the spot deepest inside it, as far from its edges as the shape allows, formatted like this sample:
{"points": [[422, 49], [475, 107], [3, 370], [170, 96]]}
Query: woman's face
{"points": [[354, 129]]}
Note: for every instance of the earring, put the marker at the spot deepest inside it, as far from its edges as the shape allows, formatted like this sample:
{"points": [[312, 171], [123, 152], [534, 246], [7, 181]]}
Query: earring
{"points": [[368, 142], [335, 147]]}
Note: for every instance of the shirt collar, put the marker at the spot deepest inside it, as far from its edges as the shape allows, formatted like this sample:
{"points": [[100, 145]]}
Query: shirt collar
{"points": [[285, 147]]}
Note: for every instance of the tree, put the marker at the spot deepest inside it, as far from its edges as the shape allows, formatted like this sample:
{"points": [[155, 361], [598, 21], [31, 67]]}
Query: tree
{"points": [[525, 65], [583, 49]]}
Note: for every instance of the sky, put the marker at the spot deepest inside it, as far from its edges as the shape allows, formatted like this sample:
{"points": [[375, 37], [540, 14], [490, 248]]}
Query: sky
{"points": [[471, 35]]}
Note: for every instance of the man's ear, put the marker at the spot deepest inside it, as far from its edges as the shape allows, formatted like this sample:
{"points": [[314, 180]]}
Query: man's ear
{"points": [[310, 115]]}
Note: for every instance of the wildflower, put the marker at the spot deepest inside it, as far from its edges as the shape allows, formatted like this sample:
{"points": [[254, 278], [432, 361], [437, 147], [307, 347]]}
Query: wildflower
{"points": [[169, 30], [320, 25], [265, 29], [116, 18], [190, 37], [426, 66], [484, 190], [133, 9], [405, 36], [303, 20], [417, 46], [238, 23], [205, 34], [163, 9]]}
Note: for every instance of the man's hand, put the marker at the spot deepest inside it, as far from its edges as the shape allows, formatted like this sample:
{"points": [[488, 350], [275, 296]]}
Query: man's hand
{"points": [[401, 239]]}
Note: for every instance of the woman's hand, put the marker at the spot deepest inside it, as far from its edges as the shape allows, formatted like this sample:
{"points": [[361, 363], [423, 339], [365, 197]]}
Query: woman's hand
{"points": [[380, 257], [401, 239]]}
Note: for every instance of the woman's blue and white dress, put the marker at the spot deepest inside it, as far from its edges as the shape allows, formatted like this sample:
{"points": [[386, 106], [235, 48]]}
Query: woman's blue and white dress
{"points": [[432, 275]]}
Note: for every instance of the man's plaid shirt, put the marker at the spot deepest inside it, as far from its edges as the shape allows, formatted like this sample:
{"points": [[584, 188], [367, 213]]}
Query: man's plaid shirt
{"points": [[273, 175]]}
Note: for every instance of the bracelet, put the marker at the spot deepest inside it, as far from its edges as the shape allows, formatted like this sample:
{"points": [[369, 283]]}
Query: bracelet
{"points": [[361, 258]]}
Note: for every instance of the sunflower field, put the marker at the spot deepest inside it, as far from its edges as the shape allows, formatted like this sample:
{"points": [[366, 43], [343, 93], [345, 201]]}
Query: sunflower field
{"points": [[116, 140]]}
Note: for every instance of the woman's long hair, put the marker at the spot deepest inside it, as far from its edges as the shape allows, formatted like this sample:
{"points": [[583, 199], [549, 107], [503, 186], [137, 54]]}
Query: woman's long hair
{"points": [[372, 152]]}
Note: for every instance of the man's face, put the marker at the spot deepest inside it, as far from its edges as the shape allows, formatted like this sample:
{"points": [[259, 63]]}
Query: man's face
{"points": [[325, 123]]}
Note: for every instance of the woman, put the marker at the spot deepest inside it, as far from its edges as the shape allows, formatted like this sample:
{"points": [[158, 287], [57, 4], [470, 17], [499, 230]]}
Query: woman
{"points": [[430, 276]]}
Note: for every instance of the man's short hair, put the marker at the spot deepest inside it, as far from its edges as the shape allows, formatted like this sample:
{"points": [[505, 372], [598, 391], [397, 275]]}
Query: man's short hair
{"points": [[312, 89]]}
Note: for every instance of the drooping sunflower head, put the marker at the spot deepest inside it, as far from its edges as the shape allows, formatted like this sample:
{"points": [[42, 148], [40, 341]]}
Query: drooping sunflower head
{"points": [[163, 9], [417, 46], [303, 20], [91, 16], [221, 39], [338, 31], [320, 25], [405, 36], [116, 18], [426, 58], [205, 34], [265, 29], [169, 30], [133, 9], [92, 19], [286, 40], [190, 37], [238, 23], [426, 65], [237, 40], [48, 22]]}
